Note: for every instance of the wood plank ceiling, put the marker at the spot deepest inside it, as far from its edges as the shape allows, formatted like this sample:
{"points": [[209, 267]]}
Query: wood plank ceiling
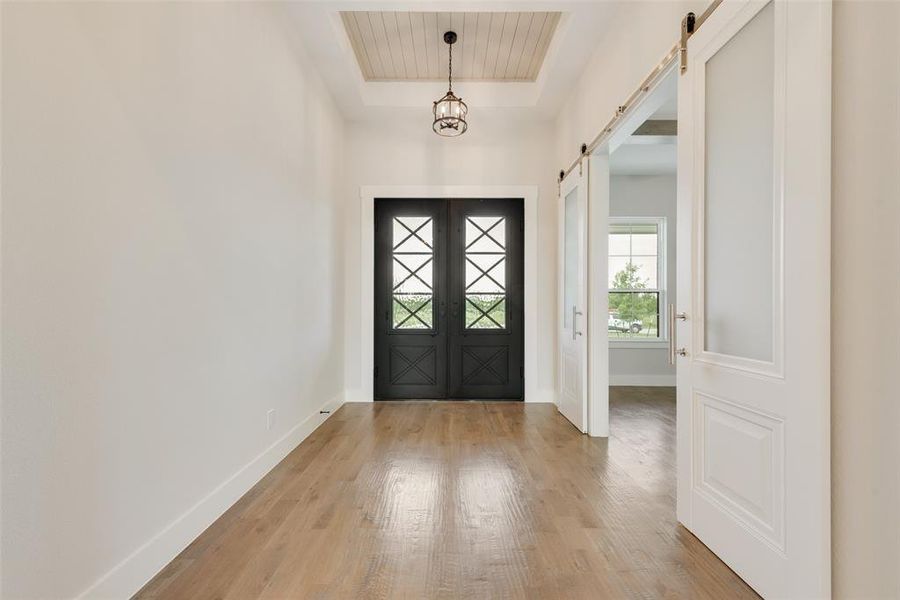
{"points": [[409, 46]]}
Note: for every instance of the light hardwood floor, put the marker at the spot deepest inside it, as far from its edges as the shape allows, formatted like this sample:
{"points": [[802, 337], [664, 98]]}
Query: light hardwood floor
{"points": [[462, 500]]}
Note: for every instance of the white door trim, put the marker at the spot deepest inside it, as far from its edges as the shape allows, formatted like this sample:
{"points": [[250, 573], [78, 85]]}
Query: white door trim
{"points": [[366, 338], [598, 294], [597, 165]]}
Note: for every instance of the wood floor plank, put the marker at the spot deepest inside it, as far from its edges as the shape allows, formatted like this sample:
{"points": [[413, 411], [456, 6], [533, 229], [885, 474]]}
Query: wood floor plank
{"points": [[461, 500]]}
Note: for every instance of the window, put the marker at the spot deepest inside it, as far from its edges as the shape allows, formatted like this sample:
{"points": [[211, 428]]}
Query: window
{"points": [[413, 264], [636, 278], [485, 273]]}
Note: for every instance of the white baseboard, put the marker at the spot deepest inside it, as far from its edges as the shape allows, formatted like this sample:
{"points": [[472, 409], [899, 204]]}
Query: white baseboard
{"points": [[541, 395], [127, 577], [531, 396], [643, 380], [356, 395]]}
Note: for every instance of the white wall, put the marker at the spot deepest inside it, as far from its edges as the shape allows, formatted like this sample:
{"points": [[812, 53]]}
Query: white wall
{"points": [[171, 269], [498, 149], [634, 41], [865, 299], [636, 38], [644, 196]]}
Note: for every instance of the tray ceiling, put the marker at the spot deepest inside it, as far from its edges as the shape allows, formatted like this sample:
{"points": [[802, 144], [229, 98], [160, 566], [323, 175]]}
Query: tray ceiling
{"points": [[409, 46]]}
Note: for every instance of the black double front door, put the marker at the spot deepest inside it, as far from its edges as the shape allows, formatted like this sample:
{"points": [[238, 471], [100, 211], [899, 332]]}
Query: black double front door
{"points": [[449, 278]]}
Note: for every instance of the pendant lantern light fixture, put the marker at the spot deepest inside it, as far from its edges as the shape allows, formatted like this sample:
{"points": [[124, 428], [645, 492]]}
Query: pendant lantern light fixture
{"points": [[450, 111]]}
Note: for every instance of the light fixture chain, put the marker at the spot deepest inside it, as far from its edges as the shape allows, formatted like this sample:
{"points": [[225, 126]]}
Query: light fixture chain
{"points": [[450, 69]]}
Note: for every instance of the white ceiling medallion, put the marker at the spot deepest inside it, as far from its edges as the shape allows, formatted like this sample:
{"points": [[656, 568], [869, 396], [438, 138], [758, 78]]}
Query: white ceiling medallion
{"points": [[450, 111]]}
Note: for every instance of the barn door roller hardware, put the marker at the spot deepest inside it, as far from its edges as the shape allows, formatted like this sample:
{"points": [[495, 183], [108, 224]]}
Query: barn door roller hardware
{"points": [[648, 84], [689, 25]]}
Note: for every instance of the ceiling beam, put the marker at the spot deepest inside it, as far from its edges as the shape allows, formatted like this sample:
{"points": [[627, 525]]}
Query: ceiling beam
{"points": [[657, 127]]}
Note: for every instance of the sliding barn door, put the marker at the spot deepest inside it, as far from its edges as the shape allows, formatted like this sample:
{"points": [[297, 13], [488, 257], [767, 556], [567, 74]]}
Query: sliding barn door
{"points": [[573, 283], [752, 318]]}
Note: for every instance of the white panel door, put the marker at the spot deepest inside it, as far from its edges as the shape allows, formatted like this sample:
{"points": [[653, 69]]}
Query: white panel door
{"points": [[572, 376], [753, 317]]}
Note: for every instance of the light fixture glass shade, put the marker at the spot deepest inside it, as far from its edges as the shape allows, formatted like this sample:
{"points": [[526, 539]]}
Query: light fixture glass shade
{"points": [[450, 116]]}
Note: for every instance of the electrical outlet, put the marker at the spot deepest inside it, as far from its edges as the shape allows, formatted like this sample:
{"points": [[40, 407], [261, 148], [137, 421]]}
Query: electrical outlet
{"points": [[270, 418]]}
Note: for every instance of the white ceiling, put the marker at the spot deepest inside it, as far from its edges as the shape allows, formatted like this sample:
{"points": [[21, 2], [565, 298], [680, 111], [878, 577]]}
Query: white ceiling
{"points": [[319, 27], [644, 159], [490, 46]]}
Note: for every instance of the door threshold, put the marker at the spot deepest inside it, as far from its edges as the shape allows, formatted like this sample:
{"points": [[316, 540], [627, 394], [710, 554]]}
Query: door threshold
{"points": [[436, 400]]}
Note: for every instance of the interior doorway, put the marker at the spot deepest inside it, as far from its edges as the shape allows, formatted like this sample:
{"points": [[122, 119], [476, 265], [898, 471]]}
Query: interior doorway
{"points": [[625, 250], [449, 298], [641, 260]]}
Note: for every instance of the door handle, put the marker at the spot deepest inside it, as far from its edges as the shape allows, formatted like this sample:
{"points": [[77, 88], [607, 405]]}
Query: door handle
{"points": [[672, 317], [575, 313]]}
